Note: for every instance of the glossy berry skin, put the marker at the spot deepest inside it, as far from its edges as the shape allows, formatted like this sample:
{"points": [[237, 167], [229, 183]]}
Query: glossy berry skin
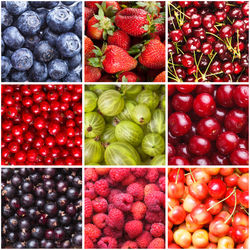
{"points": [[204, 105], [199, 145], [187, 60], [206, 48], [227, 142], [208, 21], [182, 102], [179, 123], [176, 35], [239, 157], [226, 31], [195, 20], [235, 120], [217, 188], [209, 128]]}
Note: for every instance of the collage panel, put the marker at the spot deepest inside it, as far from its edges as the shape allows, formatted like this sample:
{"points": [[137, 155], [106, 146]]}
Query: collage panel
{"points": [[41, 208], [208, 41], [208, 208], [41, 124], [208, 124], [124, 124], [41, 41], [124, 208], [124, 41]]}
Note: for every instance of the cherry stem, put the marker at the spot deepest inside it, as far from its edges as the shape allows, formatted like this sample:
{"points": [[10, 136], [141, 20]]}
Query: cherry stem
{"points": [[179, 11], [192, 175], [235, 202], [222, 199], [169, 10], [243, 208], [176, 180], [170, 207]]}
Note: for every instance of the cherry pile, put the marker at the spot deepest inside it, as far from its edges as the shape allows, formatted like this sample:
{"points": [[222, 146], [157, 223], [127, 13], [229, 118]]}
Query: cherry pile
{"points": [[208, 208], [41, 208], [208, 41], [41, 124], [208, 124]]}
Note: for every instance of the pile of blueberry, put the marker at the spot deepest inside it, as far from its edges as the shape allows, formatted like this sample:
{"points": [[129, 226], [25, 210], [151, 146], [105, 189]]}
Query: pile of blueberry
{"points": [[41, 208], [41, 41]]}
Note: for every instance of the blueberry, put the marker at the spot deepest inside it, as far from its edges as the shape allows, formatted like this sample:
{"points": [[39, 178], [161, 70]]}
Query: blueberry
{"points": [[16, 7], [68, 44], [29, 23], [77, 9], [6, 18], [22, 59], [13, 38], [72, 77], [37, 4], [39, 72], [2, 46], [6, 66], [44, 52], [9, 53], [68, 2], [75, 61], [60, 19], [50, 36], [78, 27], [51, 4], [42, 13], [57, 69], [31, 42], [19, 76]]}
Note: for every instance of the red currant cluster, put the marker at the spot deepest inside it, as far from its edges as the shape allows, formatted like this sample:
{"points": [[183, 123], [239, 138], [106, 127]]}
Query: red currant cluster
{"points": [[208, 41], [208, 124], [208, 208], [41, 124]]}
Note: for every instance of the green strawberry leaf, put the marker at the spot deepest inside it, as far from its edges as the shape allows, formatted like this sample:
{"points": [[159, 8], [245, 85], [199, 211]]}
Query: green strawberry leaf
{"points": [[110, 32], [135, 49], [96, 25], [95, 62], [146, 27], [104, 34], [97, 51], [124, 79], [159, 20], [100, 11]]}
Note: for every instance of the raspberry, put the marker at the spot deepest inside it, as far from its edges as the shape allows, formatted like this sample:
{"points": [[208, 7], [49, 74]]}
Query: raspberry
{"points": [[92, 231], [133, 228], [154, 201], [136, 190], [128, 180], [154, 217], [144, 239], [100, 220], [88, 208], [102, 171], [152, 175], [119, 174], [115, 218], [162, 183], [102, 188], [139, 172], [157, 229], [90, 190], [138, 210], [157, 243], [150, 188], [112, 232], [123, 201], [112, 195], [88, 243], [107, 242], [129, 245], [161, 170], [90, 174], [100, 205]]}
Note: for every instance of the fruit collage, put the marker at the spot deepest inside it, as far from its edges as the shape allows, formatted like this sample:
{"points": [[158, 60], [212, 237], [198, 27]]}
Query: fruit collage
{"points": [[48, 162]]}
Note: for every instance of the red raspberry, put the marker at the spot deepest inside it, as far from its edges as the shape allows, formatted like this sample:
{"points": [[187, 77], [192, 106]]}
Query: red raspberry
{"points": [[113, 232], [90, 174], [152, 175], [138, 210], [128, 180], [123, 201], [100, 205], [144, 239], [112, 194], [157, 243], [162, 183], [90, 190], [157, 229], [119, 174], [102, 188], [155, 217], [129, 245], [139, 172], [107, 242], [100, 220], [133, 228], [150, 188], [136, 190], [92, 231], [88, 208], [88, 243], [154, 201], [115, 218]]}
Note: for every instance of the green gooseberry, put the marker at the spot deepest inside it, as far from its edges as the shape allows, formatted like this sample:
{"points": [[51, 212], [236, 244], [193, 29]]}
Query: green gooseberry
{"points": [[93, 151], [148, 97], [141, 114], [108, 135], [153, 144], [157, 123], [90, 101], [131, 91], [126, 114], [99, 89], [158, 160], [94, 124]]}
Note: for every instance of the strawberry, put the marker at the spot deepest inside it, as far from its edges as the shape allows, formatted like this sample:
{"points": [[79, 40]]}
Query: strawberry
{"points": [[99, 26], [92, 5], [92, 74], [106, 78], [153, 56], [128, 77], [161, 77], [113, 59], [133, 21], [150, 6], [89, 46], [120, 39], [88, 13]]}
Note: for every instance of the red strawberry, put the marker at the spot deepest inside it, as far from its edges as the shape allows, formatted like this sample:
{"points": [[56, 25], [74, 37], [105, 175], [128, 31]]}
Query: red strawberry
{"points": [[92, 5], [89, 46], [88, 13], [106, 78], [92, 74], [115, 5], [120, 39], [132, 21], [128, 77], [117, 59], [153, 56], [161, 77]]}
